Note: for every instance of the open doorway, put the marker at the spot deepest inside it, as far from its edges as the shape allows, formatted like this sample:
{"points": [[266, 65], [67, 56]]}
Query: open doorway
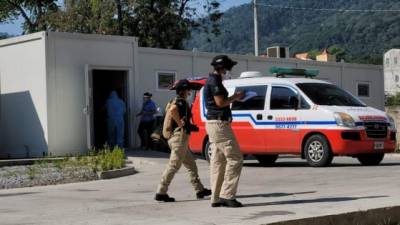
{"points": [[105, 81]]}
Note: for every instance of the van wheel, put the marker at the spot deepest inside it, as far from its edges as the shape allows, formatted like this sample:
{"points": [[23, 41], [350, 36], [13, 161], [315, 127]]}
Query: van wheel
{"points": [[266, 160], [370, 159], [207, 151], [317, 151]]}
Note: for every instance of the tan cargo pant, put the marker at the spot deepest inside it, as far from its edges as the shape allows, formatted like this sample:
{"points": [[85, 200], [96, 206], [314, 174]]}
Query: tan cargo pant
{"points": [[180, 154], [226, 160]]}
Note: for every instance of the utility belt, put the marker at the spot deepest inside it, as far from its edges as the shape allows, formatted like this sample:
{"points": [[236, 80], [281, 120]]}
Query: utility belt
{"points": [[187, 128], [223, 118]]}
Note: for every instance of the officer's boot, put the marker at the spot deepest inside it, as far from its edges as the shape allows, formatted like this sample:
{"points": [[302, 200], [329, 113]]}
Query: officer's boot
{"points": [[201, 194], [231, 203], [164, 198]]}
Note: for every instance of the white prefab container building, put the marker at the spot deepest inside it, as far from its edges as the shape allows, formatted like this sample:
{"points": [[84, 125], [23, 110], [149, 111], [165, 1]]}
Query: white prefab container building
{"points": [[54, 86], [391, 69]]}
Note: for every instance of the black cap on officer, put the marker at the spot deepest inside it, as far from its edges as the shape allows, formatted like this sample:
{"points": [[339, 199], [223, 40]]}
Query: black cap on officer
{"points": [[223, 61], [147, 94], [181, 85]]}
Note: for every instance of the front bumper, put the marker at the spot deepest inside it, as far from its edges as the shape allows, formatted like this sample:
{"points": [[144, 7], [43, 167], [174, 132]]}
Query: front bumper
{"points": [[350, 145]]}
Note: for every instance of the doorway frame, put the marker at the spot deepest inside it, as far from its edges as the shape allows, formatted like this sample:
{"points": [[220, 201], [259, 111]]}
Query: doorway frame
{"points": [[130, 98]]}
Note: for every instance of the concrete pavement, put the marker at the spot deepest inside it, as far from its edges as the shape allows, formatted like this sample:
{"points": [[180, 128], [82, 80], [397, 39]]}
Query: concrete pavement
{"points": [[290, 190]]}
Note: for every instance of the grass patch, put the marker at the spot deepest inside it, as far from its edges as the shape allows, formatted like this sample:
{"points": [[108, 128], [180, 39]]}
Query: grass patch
{"points": [[97, 160], [32, 171]]}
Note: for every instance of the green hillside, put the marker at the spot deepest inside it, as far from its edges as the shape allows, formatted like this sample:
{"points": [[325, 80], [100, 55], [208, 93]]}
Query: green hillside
{"points": [[364, 36]]}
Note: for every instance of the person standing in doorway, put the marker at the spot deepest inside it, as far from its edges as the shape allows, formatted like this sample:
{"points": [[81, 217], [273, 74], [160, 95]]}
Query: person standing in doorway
{"points": [[226, 159], [116, 110], [147, 120], [178, 142]]}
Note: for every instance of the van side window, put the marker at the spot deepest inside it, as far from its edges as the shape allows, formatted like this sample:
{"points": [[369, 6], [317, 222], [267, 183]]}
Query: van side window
{"points": [[281, 98], [255, 103]]}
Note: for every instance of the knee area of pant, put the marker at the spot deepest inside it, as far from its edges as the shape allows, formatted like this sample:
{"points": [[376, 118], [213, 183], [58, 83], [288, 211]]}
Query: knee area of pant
{"points": [[235, 160], [175, 165]]}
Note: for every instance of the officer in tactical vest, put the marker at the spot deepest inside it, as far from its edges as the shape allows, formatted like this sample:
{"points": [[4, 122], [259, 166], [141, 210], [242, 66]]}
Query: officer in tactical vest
{"points": [[179, 145], [226, 159]]}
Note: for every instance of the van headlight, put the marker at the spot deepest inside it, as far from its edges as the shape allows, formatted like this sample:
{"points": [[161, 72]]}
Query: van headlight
{"points": [[392, 123], [344, 120]]}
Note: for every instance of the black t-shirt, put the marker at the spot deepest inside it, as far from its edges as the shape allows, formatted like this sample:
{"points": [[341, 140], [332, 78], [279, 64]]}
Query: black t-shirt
{"points": [[214, 87]]}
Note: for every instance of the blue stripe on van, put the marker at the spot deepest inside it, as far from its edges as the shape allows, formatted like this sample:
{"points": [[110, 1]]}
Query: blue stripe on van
{"points": [[244, 115], [283, 123]]}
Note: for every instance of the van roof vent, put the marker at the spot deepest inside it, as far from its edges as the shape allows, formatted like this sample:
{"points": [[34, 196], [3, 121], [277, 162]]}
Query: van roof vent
{"points": [[249, 74]]}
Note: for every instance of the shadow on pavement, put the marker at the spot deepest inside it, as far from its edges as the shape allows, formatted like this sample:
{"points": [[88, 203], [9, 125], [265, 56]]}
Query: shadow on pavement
{"points": [[146, 154], [270, 195], [17, 194], [317, 200], [262, 214], [193, 200], [304, 164]]}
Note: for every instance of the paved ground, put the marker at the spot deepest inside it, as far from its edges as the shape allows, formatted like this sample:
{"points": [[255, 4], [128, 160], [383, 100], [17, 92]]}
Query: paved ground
{"points": [[290, 190]]}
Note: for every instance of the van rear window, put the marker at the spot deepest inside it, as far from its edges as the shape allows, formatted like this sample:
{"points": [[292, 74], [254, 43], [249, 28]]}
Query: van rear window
{"points": [[329, 94]]}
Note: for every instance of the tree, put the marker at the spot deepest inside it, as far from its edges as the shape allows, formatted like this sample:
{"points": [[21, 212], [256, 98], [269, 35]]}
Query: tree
{"points": [[86, 16], [4, 35], [34, 12], [365, 36], [338, 51], [312, 54], [157, 23], [392, 100]]}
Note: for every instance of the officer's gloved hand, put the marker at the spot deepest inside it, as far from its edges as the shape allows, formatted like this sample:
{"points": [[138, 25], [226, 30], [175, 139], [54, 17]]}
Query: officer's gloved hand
{"points": [[193, 128]]}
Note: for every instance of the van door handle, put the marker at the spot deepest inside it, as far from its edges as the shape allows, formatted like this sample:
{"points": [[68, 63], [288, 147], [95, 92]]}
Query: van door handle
{"points": [[259, 117], [270, 117]]}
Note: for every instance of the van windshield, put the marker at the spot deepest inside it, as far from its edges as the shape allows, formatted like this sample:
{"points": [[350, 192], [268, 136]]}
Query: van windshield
{"points": [[329, 94]]}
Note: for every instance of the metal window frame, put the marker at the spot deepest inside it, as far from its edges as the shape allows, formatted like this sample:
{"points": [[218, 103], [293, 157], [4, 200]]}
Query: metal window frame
{"points": [[158, 72]]}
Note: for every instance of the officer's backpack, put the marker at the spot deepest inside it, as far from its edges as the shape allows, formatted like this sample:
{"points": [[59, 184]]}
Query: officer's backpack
{"points": [[167, 129]]}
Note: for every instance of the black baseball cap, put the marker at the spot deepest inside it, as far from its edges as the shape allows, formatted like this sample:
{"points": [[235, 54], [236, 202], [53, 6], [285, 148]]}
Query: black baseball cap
{"points": [[223, 61], [147, 94], [183, 84]]}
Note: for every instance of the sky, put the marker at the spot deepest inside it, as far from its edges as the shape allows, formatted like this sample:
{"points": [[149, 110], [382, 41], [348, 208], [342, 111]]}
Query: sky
{"points": [[14, 27]]}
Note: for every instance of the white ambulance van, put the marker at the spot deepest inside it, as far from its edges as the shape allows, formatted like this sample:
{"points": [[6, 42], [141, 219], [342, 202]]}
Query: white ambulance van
{"points": [[308, 117]]}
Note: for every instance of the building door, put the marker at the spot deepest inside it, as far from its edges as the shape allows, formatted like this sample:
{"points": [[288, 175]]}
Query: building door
{"points": [[88, 110], [100, 83]]}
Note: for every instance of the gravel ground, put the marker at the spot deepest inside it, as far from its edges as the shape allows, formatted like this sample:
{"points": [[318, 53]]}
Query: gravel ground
{"points": [[47, 174]]}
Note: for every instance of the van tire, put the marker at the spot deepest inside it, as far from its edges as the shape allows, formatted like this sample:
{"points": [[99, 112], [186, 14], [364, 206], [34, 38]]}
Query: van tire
{"points": [[370, 159], [266, 160], [206, 151], [317, 151]]}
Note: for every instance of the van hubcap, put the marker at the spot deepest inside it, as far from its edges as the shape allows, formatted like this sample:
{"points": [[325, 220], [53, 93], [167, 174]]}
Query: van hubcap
{"points": [[316, 151]]}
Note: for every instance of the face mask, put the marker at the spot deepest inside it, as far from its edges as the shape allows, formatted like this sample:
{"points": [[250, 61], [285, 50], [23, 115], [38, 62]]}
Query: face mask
{"points": [[227, 75]]}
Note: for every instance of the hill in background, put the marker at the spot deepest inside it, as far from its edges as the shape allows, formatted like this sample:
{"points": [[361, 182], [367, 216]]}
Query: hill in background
{"points": [[364, 36]]}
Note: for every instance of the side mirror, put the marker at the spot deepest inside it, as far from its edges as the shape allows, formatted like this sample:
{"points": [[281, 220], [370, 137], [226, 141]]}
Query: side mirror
{"points": [[294, 102]]}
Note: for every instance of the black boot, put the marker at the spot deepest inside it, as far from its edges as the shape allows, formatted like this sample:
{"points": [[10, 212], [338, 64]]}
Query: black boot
{"points": [[201, 194], [231, 203], [164, 198], [216, 204]]}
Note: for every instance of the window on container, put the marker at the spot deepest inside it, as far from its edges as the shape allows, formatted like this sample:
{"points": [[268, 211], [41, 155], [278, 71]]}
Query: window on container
{"points": [[387, 61], [395, 60], [396, 78], [363, 90], [165, 80], [256, 100]]}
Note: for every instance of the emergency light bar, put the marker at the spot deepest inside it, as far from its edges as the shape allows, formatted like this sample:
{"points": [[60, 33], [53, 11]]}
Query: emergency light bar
{"points": [[281, 72]]}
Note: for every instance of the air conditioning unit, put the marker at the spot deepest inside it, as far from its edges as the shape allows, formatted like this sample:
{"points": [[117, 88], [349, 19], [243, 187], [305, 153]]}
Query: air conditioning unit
{"points": [[278, 52]]}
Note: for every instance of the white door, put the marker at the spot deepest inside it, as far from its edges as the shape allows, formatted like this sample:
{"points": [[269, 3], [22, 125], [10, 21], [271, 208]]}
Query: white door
{"points": [[88, 110], [285, 138]]}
